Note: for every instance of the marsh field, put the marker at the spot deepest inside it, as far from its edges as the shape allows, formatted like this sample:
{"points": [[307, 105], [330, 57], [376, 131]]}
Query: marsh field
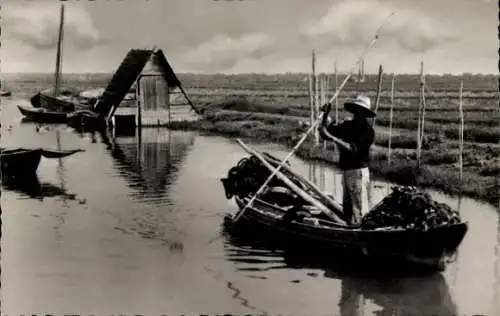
{"points": [[270, 107]]}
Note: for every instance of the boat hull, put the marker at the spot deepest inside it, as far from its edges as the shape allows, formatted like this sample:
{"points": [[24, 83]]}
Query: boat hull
{"points": [[20, 163], [42, 115], [430, 249], [56, 104]]}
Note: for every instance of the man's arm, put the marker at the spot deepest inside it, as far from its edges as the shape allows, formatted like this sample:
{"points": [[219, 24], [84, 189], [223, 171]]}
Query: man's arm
{"points": [[334, 132]]}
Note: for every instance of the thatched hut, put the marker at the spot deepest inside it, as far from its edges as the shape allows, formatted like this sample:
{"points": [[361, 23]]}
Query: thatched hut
{"points": [[148, 73]]}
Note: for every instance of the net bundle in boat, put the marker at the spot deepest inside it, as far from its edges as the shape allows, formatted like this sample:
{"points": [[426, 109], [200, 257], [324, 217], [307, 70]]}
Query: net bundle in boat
{"points": [[249, 175], [409, 208]]}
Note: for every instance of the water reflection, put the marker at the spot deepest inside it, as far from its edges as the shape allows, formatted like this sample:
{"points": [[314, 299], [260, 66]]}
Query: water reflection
{"points": [[364, 291], [150, 161], [32, 188]]}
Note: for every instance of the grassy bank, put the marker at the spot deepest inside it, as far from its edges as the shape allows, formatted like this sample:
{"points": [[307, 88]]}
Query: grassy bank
{"points": [[440, 154]]}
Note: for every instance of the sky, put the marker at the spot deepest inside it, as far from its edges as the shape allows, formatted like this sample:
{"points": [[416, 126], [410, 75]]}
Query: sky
{"points": [[253, 36]]}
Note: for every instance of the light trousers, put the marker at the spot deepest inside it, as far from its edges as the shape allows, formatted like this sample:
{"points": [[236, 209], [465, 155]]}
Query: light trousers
{"points": [[356, 200]]}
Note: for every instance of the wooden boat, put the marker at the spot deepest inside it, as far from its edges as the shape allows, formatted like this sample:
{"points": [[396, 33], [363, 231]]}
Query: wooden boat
{"points": [[56, 100], [431, 249], [5, 93], [23, 162], [53, 103], [52, 153], [300, 224], [19, 162], [43, 115]]}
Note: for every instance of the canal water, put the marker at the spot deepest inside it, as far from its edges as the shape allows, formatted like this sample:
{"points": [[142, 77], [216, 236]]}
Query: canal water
{"points": [[124, 227]]}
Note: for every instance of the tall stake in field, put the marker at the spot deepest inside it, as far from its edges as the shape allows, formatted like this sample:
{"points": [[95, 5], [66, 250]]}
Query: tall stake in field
{"points": [[390, 120], [461, 129], [419, 126], [311, 98], [422, 83], [337, 99], [379, 90], [315, 93], [323, 92]]}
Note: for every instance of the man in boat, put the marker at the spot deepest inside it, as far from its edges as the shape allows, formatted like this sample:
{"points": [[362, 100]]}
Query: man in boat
{"points": [[354, 138]]}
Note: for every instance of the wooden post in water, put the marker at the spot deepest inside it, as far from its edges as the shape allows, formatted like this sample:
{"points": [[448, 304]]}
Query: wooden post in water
{"points": [[461, 129]]}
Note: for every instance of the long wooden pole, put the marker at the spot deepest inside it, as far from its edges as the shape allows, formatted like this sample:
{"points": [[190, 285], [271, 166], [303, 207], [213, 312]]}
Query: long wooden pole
{"points": [[461, 129], [325, 199], [390, 121], [292, 185], [379, 90]]}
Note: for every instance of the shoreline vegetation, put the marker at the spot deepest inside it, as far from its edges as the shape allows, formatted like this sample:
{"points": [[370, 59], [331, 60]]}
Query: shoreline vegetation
{"points": [[274, 108], [439, 169]]}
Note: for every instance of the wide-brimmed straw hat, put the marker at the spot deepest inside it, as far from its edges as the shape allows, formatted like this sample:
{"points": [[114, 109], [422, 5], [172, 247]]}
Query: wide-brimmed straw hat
{"points": [[361, 104]]}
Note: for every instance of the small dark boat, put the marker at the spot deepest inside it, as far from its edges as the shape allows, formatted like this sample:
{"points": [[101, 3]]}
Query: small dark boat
{"points": [[57, 100], [52, 103], [23, 162], [19, 162], [43, 115], [4, 93], [52, 153], [433, 248]]}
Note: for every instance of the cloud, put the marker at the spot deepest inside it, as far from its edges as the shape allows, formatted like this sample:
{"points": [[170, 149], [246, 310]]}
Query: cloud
{"points": [[224, 52], [37, 26], [353, 23]]}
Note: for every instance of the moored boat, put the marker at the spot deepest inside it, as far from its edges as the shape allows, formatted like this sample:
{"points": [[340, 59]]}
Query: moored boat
{"points": [[43, 115], [19, 162], [57, 100], [5, 93], [55, 103]]}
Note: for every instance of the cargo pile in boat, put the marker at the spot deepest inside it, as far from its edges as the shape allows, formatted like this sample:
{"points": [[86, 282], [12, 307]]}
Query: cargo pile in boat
{"points": [[409, 208]]}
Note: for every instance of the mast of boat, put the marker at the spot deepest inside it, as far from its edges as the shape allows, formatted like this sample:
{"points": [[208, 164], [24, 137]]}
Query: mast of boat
{"points": [[59, 55]]}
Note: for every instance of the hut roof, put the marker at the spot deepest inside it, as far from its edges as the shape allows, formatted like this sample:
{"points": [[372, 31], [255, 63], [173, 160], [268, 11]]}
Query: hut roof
{"points": [[127, 73]]}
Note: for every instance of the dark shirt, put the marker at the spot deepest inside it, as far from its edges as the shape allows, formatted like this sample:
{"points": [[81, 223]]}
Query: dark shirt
{"points": [[360, 135]]}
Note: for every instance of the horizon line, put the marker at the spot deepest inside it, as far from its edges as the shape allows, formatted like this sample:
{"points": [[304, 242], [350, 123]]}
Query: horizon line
{"points": [[257, 73]]}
